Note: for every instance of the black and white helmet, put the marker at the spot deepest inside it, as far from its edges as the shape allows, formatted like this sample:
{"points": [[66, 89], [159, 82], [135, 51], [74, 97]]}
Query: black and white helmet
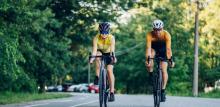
{"points": [[157, 24]]}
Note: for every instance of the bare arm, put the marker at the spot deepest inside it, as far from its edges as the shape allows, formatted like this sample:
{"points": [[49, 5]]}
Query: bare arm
{"points": [[113, 45], [94, 49]]}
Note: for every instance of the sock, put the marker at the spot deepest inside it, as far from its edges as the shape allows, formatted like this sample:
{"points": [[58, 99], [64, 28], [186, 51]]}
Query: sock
{"points": [[163, 90]]}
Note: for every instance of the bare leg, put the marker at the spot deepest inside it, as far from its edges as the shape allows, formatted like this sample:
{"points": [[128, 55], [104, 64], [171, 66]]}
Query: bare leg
{"points": [[111, 78], [164, 74], [98, 64]]}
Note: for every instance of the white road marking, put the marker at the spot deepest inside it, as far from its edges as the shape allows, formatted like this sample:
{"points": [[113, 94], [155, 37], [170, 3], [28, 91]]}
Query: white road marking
{"points": [[61, 101], [36, 105], [85, 103]]}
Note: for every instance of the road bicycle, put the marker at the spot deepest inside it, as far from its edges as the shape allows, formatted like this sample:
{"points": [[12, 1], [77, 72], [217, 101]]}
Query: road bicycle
{"points": [[103, 82], [157, 80]]}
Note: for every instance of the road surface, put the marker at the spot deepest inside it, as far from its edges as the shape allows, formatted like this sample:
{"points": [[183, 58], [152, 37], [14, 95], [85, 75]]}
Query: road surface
{"points": [[91, 100]]}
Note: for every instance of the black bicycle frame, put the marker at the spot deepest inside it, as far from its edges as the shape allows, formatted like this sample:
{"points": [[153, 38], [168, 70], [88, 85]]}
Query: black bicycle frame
{"points": [[157, 85]]}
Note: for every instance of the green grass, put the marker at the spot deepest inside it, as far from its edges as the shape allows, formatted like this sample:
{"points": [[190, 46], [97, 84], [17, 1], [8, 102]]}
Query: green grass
{"points": [[213, 94], [11, 97], [188, 94]]}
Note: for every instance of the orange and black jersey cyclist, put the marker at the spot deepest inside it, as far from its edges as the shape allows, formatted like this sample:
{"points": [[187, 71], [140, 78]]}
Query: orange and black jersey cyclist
{"points": [[161, 44], [158, 44]]}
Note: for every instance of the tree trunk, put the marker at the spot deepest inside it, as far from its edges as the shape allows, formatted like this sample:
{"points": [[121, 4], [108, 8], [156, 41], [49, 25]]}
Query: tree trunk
{"points": [[127, 88], [42, 87]]}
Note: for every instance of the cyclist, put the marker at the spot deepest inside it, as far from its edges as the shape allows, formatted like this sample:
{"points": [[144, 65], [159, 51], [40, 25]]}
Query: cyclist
{"points": [[104, 44], [159, 43]]}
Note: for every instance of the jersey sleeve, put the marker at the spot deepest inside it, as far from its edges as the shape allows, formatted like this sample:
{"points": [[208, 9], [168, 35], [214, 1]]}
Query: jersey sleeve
{"points": [[168, 45], [168, 40], [148, 40]]}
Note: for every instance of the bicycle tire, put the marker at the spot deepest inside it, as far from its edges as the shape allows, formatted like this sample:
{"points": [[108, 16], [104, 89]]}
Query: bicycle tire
{"points": [[101, 88], [105, 88], [156, 96], [106, 96], [157, 89], [160, 83]]}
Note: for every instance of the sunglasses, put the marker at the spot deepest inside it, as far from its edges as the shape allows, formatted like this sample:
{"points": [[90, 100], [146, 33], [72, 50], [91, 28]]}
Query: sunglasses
{"points": [[155, 29], [104, 32]]}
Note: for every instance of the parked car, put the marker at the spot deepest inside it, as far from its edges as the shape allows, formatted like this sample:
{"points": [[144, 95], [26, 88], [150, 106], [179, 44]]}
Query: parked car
{"points": [[57, 88], [50, 88], [73, 88], [93, 88], [83, 87], [66, 86], [217, 84]]}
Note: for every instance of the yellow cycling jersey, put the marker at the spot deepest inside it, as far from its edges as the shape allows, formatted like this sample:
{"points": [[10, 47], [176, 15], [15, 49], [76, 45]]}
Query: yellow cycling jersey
{"points": [[104, 45]]}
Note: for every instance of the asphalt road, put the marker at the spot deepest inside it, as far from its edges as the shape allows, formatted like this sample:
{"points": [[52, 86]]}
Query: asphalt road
{"points": [[91, 100]]}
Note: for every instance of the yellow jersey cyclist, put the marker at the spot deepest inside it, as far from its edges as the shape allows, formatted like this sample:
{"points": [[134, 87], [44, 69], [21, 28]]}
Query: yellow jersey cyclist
{"points": [[159, 43], [104, 44]]}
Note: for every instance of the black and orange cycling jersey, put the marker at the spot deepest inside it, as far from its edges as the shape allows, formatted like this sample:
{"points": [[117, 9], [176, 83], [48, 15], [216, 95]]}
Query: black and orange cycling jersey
{"points": [[159, 43]]}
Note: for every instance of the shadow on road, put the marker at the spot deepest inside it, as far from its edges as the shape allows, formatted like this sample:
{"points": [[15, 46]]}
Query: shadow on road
{"points": [[117, 106]]}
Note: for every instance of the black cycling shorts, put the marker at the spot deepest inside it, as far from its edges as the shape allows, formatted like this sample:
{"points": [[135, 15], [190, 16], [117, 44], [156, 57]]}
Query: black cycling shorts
{"points": [[108, 58], [160, 49]]}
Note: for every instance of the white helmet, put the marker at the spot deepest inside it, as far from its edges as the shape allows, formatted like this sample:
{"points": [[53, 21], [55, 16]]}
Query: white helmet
{"points": [[158, 24]]}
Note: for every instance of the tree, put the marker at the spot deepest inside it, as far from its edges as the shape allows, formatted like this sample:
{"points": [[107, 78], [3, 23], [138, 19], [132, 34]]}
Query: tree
{"points": [[209, 40], [10, 56]]}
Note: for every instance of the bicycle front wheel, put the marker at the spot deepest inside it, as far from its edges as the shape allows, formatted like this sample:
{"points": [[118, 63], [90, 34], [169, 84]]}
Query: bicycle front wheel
{"points": [[102, 88], [101, 91], [106, 96], [157, 99], [157, 91]]}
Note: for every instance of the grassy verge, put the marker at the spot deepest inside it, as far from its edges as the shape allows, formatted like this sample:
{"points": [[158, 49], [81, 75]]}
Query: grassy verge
{"points": [[10, 97], [213, 94], [176, 93]]}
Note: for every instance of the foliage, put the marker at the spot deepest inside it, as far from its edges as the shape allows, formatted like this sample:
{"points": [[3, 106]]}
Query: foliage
{"points": [[43, 41]]}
